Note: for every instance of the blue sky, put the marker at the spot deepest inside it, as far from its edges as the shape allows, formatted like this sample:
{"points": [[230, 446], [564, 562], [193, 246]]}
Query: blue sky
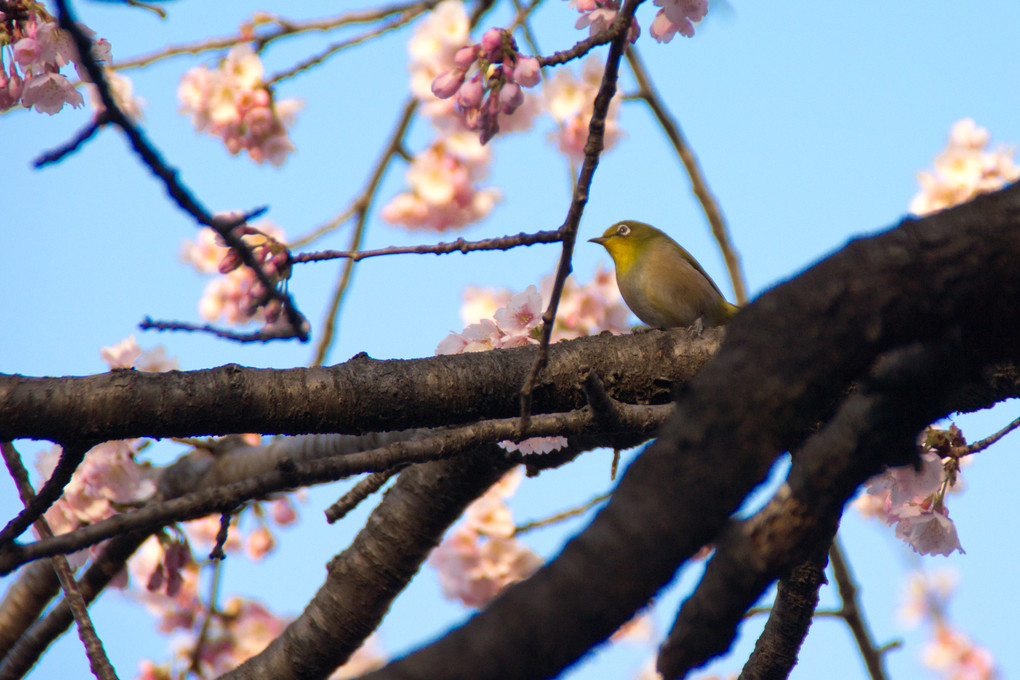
{"points": [[811, 121]]}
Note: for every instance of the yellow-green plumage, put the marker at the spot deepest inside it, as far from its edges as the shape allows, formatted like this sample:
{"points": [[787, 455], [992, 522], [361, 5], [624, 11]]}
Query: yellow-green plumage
{"points": [[660, 281]]}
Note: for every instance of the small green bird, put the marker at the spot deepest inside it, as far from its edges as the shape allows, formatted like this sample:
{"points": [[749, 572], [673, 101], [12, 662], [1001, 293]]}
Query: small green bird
{"points": [[660, 281]]}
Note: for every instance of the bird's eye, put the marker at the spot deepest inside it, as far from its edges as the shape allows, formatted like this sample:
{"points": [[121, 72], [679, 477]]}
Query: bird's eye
{"points": [[622, 230]]}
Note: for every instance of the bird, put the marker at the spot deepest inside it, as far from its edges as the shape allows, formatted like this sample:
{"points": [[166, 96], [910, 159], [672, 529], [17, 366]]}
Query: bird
{"points": [[661, 282]]}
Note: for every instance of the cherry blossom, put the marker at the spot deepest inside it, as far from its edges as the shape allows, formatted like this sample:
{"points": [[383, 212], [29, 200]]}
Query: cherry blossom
{"points": [[598, 15], [39, 49], [914, 500], [677, 16]]}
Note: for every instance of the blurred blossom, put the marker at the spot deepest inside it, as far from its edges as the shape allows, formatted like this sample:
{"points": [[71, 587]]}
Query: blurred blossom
{"points": [[964, 169], [571, 100], [926, 594], [127, 354], [123, 95], [106, 480], [443, 186], [237, 296], [479, 558], [677, 16], [232, 102], [954, 654], [598, 15]]}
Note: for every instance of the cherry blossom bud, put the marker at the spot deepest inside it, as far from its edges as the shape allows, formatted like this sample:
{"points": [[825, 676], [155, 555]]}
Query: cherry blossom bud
{"points": [[492, 44], [527, 72], [470, 96], [466, 56], [447, 84], [510, 97], [231, 261]]}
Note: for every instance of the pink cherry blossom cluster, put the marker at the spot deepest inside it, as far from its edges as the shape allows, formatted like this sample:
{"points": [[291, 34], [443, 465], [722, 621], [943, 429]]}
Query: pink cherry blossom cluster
{"points": [[914, 500], [444, 191], [518, 323], [39, 50], [487, 78], [238, 296], [676, 16], [964, 169], [479, 558], [232, 102], [950, 651], [598, 15], [571, 101], [583, 310]]}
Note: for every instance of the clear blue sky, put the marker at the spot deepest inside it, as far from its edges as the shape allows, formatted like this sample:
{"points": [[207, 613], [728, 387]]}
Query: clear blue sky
{"points": [[811, 121]]}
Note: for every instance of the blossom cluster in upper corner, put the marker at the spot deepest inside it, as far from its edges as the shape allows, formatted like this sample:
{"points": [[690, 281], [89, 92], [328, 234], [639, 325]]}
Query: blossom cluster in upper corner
{"points": [[964, 169], [231, 101], [38, 50]]}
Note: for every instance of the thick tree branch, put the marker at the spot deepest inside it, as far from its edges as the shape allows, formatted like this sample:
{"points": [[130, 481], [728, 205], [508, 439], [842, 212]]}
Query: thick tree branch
{"points": [[361, 395], [365, 578]]}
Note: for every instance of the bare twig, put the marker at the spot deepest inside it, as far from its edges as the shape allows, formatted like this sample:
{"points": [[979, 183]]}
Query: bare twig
{"points": [[647, 93], [560, 516], [72, 145], [359, 492], [284, 27], [617, 33], [458, 246], [308, 63], [264, 334], [987, 441], [850, 612]]}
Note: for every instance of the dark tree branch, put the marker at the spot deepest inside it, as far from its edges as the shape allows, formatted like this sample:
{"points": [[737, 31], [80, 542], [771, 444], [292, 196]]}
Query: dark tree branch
{"points": [[361, 395], [775, 652]]}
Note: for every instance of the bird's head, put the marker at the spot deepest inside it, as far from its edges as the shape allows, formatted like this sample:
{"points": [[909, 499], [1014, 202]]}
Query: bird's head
{"points": [[626, 240]]}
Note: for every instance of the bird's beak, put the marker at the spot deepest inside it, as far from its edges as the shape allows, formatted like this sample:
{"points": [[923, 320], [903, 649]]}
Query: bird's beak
{"points": [[601, 240]]}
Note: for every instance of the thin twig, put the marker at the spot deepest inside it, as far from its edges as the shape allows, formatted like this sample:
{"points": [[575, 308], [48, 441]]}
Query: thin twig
{"points": [[98, 661], [458, 246], [648, 94], [618, 34], [987, 441], [284, 27], [359, 492], [203, 633], [560, 516], [314, 60], [264, 334], [851, 613], [73, 144]]}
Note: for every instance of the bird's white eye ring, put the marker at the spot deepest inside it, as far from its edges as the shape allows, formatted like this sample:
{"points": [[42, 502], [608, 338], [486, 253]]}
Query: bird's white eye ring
{"points": [[622, 230]]}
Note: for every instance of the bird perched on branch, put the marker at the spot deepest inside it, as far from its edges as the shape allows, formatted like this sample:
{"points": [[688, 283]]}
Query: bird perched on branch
{"points": [[660, 281]]}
